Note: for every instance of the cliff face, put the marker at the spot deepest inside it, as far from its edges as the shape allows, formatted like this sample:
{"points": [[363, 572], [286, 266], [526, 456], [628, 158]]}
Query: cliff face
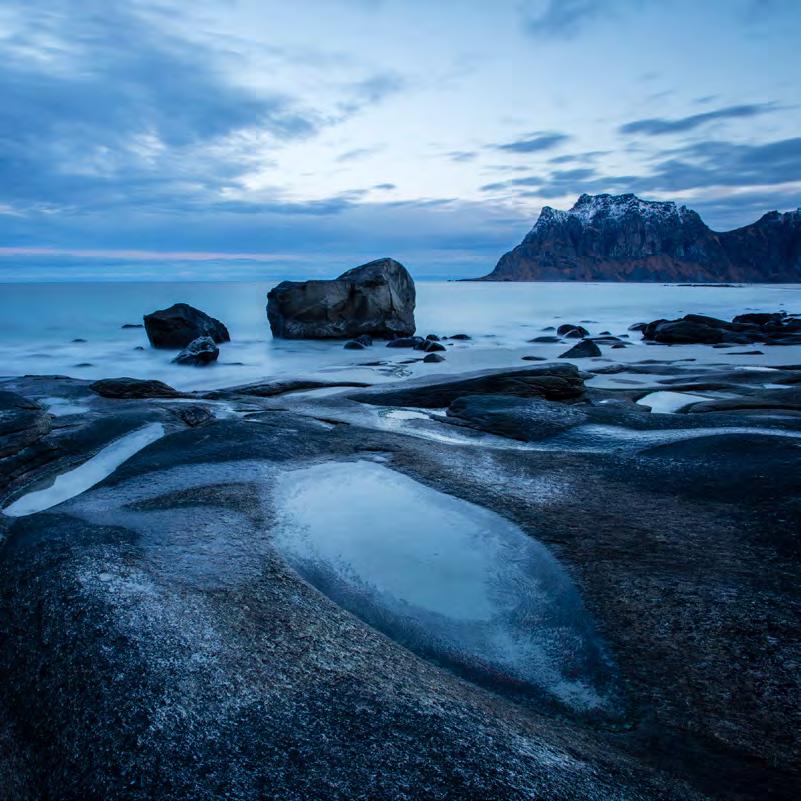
{"points": [[624, 238]]}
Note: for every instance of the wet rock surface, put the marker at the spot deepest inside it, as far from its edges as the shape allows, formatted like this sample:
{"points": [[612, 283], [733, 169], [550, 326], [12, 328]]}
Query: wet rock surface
{"points": [[153, 623], [377, 299], [553, 381]]}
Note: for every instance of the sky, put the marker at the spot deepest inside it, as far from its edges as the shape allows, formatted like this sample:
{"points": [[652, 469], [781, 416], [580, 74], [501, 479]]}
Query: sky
{"points": [[236, 139]]}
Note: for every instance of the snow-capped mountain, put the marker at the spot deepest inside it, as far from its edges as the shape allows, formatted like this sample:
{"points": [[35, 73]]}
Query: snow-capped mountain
{"points": [[625, 238]]}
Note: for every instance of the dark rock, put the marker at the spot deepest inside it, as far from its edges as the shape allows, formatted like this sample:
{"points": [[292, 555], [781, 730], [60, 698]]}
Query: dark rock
{"points": [[84, 364], [461, 337], [773, 329], [198, 353], [353, 345], [271, 389], [760, 318], [133, 388], [533, 358], [525, 419], [572, 331], [181, 324], [638, 327], [364, 339], [79, 340], [22, 421], [624, 238], [582, 350], [432, 337], [551, 381], [747, 353], [139, 347], [433, 358], [618, 345], [405, 342], [132, 325], [545, 339], [429, 346], [376, 299], [193, 415]]}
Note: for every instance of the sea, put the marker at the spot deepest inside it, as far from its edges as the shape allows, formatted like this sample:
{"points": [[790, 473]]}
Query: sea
{"points": [[76, 329]]}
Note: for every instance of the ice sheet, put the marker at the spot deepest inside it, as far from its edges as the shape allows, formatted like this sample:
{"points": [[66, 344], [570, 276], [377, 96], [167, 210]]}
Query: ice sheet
{"points": [[91, 472], [446, 578]]}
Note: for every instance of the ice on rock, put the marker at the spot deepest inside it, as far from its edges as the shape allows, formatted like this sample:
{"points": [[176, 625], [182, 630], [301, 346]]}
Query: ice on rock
{"points": [[91, 472], [449, 580]]}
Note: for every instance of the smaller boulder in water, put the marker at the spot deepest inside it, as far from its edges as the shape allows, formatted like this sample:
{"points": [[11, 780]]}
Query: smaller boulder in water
{"points": [[582, 350], [180, 325], [198, 353]]}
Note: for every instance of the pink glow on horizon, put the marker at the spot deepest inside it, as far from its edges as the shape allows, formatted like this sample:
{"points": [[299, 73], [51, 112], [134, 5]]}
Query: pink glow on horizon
{"points": [[145, 255]]}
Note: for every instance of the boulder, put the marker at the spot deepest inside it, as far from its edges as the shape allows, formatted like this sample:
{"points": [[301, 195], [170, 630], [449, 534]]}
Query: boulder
{"points": [[433, 358], [572, 331], [353, 344], [180, 324], [429, 346], [133, 388], [582, 350], [376, 299], [198, 353]]}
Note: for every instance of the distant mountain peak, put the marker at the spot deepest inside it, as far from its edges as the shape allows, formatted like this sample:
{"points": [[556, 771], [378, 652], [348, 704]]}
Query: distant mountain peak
{"points": [[625, 238]]}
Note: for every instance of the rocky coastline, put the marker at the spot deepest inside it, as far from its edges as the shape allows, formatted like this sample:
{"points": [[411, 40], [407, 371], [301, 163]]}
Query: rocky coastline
{"points": [[582, 578]]}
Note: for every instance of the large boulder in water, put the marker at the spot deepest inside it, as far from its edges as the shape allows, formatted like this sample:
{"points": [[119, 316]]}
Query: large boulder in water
{"points": [[376, 299], [181, 324]]}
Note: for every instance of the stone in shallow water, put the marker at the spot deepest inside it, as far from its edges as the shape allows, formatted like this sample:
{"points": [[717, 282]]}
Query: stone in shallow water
{"points": [[449, 580]]}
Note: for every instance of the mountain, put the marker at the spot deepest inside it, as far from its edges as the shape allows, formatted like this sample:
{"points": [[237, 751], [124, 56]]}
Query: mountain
{"points": [[625, 238]]}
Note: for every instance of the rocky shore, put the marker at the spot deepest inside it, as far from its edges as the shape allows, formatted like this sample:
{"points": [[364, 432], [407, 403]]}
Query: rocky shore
{"points": [[160, 637]]}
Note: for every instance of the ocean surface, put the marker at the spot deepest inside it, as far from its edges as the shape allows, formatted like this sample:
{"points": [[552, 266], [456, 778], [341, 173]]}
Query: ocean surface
{"points": [[40, 323]]}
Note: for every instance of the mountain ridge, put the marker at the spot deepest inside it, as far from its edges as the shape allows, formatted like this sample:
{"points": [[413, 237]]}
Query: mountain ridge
{"points": [[625, 238]]}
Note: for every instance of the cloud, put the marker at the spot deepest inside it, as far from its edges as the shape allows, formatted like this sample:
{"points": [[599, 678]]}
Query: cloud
{"points": [[657, 126], [562, 19], [461, 156], [101, 106], [535, 142], [566, 19], [358, 153]]}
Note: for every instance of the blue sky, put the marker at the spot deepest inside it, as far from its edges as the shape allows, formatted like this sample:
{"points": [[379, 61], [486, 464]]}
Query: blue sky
{"points": [[250, 138]]}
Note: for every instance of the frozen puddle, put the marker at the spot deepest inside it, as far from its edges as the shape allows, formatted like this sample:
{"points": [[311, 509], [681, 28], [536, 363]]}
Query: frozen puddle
{"points": [[449, 580], [91, 472], [665, 402]]}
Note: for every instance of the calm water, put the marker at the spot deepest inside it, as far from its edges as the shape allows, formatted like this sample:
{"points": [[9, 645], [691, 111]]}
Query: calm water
{"points": [[39, 321]]}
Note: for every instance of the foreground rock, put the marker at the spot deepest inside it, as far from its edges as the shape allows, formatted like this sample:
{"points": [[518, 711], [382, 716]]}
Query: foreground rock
{"points": [[772, 329], [156, 643], [551, 381], [377, 299], [625, 238], [198, 353], [180, 324]]}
